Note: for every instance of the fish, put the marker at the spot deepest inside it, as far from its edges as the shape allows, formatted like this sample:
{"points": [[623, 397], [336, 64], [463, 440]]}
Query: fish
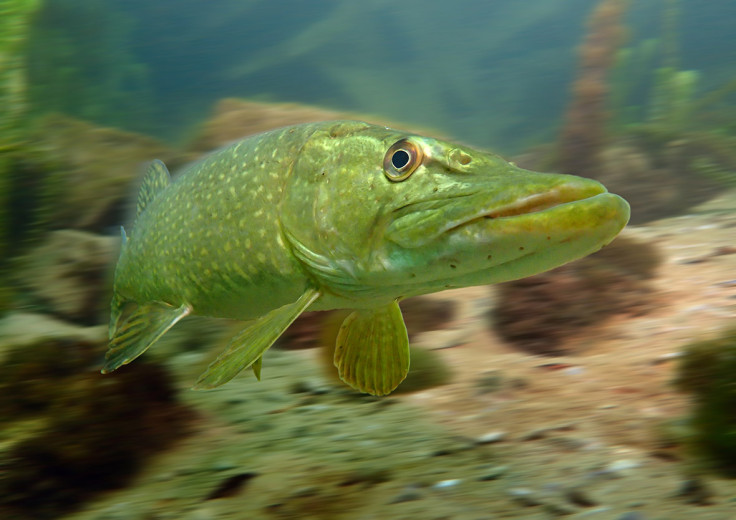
{"points": [[338, 215]]}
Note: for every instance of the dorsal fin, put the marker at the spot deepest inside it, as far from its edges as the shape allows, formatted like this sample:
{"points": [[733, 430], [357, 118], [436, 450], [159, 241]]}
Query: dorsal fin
{"points": [[155, 180]]}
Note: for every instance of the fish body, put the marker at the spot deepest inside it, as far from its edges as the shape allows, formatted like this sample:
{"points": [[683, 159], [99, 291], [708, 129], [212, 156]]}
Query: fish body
{"points": [[339, 215]]}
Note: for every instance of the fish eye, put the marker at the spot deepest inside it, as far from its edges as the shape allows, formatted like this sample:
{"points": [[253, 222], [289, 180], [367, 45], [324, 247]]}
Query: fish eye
{"points": [[401, 160]]}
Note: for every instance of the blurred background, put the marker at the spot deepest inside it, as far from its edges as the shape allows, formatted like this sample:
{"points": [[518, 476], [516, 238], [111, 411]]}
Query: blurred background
{"points": [[603, 389]]}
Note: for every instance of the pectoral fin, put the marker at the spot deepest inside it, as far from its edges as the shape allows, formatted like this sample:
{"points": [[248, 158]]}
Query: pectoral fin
{"points": [[372, 351], [146, 324], [256, 367], [248, 346]]}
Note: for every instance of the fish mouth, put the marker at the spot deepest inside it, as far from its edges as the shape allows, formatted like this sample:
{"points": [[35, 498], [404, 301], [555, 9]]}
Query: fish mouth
{"points": [[537, 202], [419, 223]]}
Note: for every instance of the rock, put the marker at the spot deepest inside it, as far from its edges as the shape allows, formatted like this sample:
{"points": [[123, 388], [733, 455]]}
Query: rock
{"points": [[236, 118], [579, 496], [621, 468], [88, 172], [408, 494], [21, 330], [632, 515], [493, 472], [491, 437], [695, 491], [68, 273], [446, 484], [489, 382], [541, 433], [525, 497]]}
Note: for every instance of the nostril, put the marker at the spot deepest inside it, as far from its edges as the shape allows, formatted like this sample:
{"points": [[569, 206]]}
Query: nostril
{"points": [[460, 157]]}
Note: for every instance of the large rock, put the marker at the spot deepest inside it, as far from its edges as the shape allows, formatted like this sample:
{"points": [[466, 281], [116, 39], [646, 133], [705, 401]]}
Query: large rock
{"points": [[236, 118], [87, 173], [68, 273]]}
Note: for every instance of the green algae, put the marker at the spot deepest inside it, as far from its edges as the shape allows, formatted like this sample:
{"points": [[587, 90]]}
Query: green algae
{"points": [[707, 371], [69, 434], [15, 17]]}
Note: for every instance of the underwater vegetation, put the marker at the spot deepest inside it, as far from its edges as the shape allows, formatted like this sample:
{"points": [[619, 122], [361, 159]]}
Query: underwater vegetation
{"points": [[68, 433], [583, 133], [639, 124], [707, 372], [15, 18], [540, 314], [81, 51]]}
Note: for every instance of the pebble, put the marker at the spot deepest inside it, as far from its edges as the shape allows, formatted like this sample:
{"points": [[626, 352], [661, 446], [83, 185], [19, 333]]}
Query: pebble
{"points": [[695, 491], [541, 433], [493, 472], [599, 513], [621, 468], [664, 358], [525, 497], [445, 484], [491, 437], [489, 382], [632, 515], [408, 494], [578, 496]]}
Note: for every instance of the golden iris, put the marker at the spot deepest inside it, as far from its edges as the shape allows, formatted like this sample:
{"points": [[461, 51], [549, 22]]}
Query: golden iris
{"points": [[402, 159]]}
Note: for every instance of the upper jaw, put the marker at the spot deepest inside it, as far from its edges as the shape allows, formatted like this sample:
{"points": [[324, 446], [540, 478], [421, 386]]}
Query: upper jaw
{"points": [[418, 223]]}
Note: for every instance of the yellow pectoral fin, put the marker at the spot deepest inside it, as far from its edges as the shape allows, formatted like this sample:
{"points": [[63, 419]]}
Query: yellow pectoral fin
{"points": [[139, 331], [246, 348], [372, 350]]}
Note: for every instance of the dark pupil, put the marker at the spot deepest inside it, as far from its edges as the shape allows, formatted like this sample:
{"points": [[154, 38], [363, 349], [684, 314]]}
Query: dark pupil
{"points": [[400, 158]]}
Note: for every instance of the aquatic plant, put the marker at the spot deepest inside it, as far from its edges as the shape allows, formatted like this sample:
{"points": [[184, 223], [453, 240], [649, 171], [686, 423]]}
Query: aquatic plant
{"points": [[67, 433], [583, 133], [707, 371], [541, 313], [15, 16]]}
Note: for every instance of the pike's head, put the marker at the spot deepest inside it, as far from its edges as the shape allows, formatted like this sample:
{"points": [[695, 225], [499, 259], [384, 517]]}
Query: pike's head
{"points": [[376, 214]]}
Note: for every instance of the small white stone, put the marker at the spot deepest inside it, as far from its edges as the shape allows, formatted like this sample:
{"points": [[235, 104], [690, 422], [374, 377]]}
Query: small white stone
{"points": [[444, 484], [491, 437]]}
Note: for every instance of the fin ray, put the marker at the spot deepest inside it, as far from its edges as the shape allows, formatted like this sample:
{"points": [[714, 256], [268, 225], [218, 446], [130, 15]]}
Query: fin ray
{"points": [[155, 180], [247, 347], [372, 350], [139, 331]]}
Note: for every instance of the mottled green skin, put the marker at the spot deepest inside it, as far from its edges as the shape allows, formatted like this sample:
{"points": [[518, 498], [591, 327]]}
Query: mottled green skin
{"points": [[252, 226], [212, 239]]}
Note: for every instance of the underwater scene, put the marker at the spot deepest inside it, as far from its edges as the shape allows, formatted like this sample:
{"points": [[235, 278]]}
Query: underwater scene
{"points": [[342, 260]]}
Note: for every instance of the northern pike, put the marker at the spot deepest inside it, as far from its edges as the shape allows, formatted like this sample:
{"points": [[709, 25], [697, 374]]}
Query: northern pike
{"points": [[339, 215]]}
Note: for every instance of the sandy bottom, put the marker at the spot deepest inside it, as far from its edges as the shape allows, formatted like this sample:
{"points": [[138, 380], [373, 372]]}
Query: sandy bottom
{"points": [[513, 436]]}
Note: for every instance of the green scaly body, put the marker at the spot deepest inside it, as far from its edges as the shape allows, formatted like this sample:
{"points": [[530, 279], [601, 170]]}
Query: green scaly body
{"points": [[339, 214]]}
